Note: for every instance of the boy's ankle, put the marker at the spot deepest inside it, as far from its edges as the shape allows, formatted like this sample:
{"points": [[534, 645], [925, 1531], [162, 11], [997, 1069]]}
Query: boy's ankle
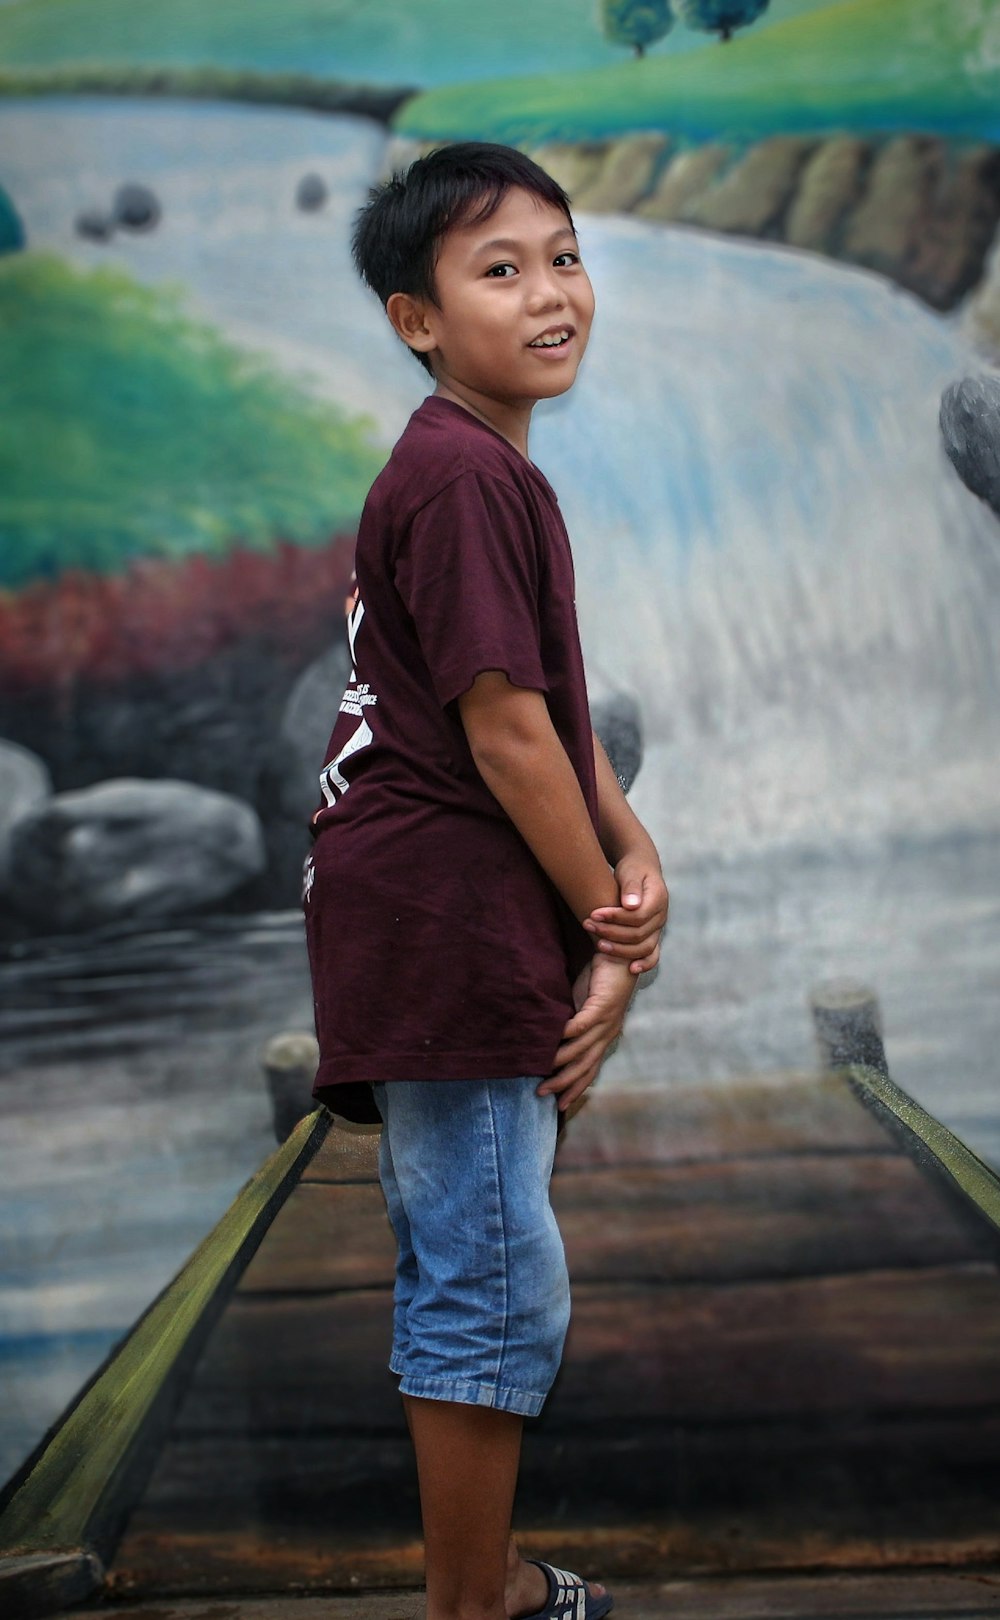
{"points": [[527, 1588]]}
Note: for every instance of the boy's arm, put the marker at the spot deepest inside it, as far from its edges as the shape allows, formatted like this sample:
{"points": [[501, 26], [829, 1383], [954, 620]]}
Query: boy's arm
{"points": [[629, 930], [520, 757]]}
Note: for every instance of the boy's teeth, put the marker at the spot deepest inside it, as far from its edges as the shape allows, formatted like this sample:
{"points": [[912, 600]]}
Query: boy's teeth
{"points": [[549, 342]]}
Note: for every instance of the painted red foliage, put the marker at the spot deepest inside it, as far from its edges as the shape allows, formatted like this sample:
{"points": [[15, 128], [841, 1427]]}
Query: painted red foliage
{"points": [[158, 616]]}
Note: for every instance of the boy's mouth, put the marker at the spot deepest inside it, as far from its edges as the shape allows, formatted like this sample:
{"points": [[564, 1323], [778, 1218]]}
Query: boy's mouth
{"points": [[554, 337]]}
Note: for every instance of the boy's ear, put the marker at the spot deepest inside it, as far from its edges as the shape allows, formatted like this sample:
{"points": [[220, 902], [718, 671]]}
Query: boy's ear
{"points": [[407, 315]]}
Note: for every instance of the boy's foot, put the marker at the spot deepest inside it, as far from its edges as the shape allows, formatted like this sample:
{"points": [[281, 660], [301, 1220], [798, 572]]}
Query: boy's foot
{"points": [[528, 1587]]}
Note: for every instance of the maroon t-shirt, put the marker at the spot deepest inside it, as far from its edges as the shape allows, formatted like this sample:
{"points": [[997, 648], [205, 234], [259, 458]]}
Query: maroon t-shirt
{"points": [[439, 948]]}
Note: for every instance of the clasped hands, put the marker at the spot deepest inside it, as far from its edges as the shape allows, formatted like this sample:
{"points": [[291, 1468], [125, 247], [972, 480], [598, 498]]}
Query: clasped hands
{"points": [[630, 932], [627, 943]]}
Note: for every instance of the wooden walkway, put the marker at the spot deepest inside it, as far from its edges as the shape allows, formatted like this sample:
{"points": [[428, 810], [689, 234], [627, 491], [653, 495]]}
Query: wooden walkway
{"points": [[784, 1357], [883, 1595]]}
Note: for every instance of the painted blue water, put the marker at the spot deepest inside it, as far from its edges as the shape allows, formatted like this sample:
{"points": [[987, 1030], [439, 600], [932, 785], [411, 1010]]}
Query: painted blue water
{"points": [[773, 555]]}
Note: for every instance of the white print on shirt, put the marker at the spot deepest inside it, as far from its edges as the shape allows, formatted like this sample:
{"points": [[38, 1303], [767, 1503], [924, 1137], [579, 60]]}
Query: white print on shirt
{"points": [[308, 877], [354, 619], [354, 702], [358, 697], [330, 777]]}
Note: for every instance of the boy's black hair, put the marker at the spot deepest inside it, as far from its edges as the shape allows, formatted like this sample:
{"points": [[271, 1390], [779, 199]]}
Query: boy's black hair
{"points": [[398, 233]]}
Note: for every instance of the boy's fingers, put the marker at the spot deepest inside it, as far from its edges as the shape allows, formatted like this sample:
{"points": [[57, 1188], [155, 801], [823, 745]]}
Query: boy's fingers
{"points": [[628, 950], [598, 1038], [569, 1097], [564, 1060], [621, 932], [572, 1078], [613, 916], [579, 1050], [570, 1050], [618, 921], [625, 955], [575, 1081], [563, 1084], [580, 1022], [560, 1087]]}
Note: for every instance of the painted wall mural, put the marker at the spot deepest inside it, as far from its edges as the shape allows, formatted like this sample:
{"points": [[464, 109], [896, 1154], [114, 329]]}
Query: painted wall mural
{"points": [[790, 215]]}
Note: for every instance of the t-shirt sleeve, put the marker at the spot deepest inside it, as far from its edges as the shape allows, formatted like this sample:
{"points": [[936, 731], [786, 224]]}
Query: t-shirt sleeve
{"points": [[468, 573]]}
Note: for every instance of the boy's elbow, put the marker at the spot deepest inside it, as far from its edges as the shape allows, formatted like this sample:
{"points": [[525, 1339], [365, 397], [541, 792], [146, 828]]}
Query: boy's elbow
{"points": [[497, 758]]}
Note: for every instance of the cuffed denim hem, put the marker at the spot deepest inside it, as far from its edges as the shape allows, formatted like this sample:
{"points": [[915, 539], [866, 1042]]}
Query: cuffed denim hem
{"points": [[521, 1401]]}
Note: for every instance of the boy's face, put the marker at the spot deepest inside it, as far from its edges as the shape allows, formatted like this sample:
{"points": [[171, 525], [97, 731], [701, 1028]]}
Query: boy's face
{"points": [[500, 285]]}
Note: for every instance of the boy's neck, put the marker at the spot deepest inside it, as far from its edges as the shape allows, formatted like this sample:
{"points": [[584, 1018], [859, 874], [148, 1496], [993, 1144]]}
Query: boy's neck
{"points": [[509, 419]]}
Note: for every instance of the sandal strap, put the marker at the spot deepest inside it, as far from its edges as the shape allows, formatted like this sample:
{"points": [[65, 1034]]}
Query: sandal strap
{"points": [[567, 1593]]}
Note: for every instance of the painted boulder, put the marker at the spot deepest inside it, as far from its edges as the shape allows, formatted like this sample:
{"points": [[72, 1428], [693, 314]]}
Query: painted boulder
{"points": [[130, 848], [970, 427], [25, 784], [618, 723]]}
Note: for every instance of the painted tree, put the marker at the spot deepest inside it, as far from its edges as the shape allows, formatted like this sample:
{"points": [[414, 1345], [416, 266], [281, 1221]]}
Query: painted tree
{"points": [[636, 22], [719, 16]]}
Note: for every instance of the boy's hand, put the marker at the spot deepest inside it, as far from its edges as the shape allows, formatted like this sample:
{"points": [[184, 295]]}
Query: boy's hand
{"points": [[601, 994], [631, 932]]}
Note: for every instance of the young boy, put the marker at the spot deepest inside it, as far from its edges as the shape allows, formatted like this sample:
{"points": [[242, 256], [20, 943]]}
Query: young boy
{"points": [[472, 951]]}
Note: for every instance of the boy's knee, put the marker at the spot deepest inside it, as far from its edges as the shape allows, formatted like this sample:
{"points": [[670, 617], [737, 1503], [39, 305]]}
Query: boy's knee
{"points": [[545, 1303], [558, 1320]]}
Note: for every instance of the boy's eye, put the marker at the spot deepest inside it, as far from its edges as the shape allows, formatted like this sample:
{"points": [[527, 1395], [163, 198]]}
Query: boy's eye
{"points": [[497, 270]]}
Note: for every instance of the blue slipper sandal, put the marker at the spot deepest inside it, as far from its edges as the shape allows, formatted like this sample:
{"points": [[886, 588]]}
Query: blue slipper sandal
{"points": [[568, 1597]]}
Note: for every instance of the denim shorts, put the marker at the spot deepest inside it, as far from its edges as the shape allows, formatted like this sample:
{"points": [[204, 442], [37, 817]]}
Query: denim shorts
{"points": [[481, 1300]]}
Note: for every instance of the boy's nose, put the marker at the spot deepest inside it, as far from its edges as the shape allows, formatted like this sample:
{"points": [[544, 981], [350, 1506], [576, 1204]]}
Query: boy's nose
{"points": [[547, 295]]}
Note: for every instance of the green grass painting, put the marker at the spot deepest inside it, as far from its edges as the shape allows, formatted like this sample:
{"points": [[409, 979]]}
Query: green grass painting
{"points": [[862, 64], [131, 430]]}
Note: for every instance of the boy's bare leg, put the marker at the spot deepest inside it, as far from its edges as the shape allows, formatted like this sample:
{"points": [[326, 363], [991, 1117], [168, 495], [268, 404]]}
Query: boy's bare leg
{"points": [[467, 1462]]}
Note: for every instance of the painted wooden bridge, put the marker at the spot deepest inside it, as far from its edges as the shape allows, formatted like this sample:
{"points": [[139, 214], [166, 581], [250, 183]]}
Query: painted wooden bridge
{"points": [[780, 1393]]}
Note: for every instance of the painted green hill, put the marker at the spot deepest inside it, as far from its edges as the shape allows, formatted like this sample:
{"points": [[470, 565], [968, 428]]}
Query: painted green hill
{"points": [[130, 430], [376, 41], [865, 64]]}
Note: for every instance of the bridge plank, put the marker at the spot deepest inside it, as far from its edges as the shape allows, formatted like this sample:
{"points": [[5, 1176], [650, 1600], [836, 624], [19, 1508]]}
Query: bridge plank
{"points": [[712, 1220], [705, 1352]]}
